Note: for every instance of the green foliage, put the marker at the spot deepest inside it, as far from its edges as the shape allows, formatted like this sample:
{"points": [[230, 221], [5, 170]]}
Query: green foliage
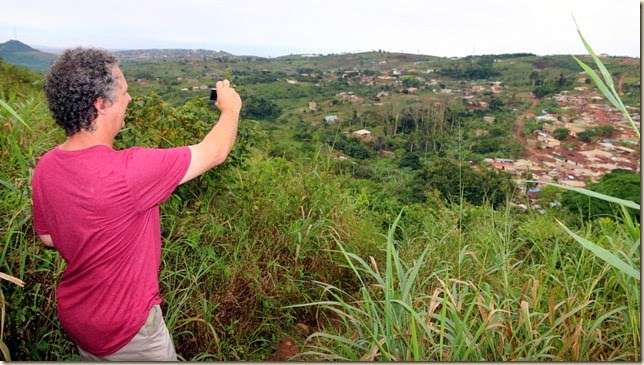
{"points": [[350, 145], [514, 292], [18, 81], [561, 133], [586, 136], [284, 237], [458, 182], [410, 160], [260, 108], [472, 68], [622, 184]]}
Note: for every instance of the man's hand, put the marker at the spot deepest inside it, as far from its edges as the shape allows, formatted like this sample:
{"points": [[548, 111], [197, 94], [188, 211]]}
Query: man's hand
{"points": [[227, 98], [46, 240], [217, 144]]}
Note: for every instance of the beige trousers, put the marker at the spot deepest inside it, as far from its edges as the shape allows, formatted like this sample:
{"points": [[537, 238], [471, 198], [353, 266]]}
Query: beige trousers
{"points": [[151, 343]]}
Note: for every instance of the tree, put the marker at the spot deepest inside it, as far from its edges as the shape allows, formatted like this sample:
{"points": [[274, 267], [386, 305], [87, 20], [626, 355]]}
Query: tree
{"points": [[550, 196], [618, 183], [561, 133], [495, 104], [260, 108], [603, 130], [411, 160], [458, 181], [585, 136]]}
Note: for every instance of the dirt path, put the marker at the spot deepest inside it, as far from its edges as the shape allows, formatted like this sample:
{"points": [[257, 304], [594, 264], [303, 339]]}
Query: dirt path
{"points": [[518, 128], [620, 82]]}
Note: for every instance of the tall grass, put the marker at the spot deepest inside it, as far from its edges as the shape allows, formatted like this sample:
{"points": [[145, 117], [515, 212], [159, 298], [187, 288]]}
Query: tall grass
{"points": [[529, 293], [420, 310], [263, 247]]}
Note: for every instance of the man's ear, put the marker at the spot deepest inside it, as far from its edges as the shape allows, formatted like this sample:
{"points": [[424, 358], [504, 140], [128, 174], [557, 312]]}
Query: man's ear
{"points": [[100, 104]]}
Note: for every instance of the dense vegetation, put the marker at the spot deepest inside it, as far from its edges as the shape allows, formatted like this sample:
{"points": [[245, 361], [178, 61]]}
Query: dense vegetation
{"points": [[416, 256]]}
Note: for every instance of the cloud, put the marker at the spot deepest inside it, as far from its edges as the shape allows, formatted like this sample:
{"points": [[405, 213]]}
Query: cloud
{"points": [[442, 28]]}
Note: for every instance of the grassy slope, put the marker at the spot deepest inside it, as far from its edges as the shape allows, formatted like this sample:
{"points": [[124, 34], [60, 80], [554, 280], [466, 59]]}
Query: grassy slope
{"points": [[245, 241]]}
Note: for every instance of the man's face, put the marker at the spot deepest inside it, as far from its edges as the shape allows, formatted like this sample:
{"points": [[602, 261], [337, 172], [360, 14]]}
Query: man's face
{"points": [[121, 101]]}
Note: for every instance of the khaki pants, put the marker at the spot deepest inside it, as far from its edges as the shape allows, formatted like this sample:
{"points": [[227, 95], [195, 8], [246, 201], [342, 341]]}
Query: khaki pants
{"points": [[151, 343]]}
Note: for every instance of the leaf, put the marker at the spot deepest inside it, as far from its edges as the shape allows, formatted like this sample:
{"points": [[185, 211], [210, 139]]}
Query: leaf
{"points": [[12, 279], [594, 194], [600, 84], [13, 112], [611, 94], [5, 351], [604, 254], [602, 68]]}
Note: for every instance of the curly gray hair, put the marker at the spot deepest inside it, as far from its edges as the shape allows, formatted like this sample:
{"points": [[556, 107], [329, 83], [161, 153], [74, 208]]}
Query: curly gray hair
{"points": [[75, 81]]}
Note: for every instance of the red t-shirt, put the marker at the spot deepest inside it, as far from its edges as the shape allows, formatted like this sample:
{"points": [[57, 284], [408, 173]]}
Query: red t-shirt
{"points": [[101, 208]]}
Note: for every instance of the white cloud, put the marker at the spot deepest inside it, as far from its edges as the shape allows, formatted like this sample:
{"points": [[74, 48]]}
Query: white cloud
{"points": [[442, 28]]}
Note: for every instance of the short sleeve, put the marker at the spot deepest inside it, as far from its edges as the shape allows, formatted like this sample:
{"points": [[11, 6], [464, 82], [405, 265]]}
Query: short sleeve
{"points": [[153, 174], [39, 221]]}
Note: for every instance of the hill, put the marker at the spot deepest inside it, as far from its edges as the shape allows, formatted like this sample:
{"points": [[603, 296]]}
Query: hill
{"points": [[267, 256], [19, 54]]}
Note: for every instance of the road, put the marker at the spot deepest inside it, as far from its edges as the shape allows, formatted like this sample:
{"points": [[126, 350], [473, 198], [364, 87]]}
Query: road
{"points": [[530, 150]]}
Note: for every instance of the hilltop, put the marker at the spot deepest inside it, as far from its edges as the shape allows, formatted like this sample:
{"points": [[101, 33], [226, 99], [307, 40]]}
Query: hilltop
{"points": [[17, 53]]}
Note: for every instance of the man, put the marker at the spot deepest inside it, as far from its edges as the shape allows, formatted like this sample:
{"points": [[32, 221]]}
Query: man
{"points": [[100, 207]]}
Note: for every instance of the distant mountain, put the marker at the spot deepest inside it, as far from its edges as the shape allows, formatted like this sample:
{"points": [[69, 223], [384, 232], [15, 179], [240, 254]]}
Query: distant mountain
{"points": [[17, 53], [172, 54]]}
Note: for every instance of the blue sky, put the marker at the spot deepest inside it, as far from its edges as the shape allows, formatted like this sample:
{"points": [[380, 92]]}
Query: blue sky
{"points": [[444, 28]]}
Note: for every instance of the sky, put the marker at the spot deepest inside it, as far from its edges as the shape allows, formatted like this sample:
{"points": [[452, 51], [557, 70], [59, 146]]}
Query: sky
{"points": [[445, 28]]}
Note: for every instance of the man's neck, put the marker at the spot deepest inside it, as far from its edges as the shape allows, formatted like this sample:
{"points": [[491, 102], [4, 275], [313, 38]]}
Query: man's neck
{"points": [[83, 139]]}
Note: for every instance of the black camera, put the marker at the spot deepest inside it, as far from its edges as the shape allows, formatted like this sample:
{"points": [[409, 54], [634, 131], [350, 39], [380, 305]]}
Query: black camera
{"points": [[213, 94]]}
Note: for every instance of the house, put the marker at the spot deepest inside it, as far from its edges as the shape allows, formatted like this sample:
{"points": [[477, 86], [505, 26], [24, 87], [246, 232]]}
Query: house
{"points": [[548, 140], [622, 149], [504, 160], [575, 128], [541, 118], [550, 128], [571, 158], [362, 133], [523, 165], [606, 146], [331, 118], [503, 166]]}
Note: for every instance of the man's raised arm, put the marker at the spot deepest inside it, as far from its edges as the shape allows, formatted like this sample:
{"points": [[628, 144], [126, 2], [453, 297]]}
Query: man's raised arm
{"points": [[216, 146]]}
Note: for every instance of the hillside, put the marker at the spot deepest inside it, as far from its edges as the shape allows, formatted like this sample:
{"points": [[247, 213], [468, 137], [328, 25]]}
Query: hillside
{"points": [[315, 243], [484, 108], [19, 54]]}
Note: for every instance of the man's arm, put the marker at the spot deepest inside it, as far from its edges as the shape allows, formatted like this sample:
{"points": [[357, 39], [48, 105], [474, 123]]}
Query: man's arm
{"points": [[217, 144], [46, 240]]}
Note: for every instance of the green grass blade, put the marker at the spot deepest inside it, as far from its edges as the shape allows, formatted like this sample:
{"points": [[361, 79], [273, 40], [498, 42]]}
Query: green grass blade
{"points": [[611, 94], [602, 68], [8, 108], [598, 81], [594, 194], [604, 254]]}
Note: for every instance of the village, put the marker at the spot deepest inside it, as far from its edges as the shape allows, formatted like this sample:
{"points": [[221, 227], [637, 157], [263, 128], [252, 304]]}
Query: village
{"points": [[573, 161], [570, 161]]}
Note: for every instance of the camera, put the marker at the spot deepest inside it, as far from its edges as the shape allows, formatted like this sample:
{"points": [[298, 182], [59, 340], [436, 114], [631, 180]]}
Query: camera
{"points": [[213, 94]]}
